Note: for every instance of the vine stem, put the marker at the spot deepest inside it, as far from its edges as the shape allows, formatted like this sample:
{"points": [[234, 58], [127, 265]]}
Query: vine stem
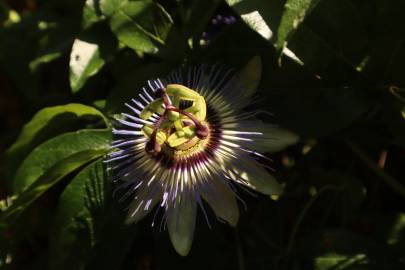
{"points": [[373, 166], [303, 213], [239, 249]]}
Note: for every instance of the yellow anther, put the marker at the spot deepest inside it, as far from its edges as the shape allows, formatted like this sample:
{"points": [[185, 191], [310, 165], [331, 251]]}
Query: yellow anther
{"points": [[178, 125], [160, 136], [173, 116], [177, 139], [189, 131], [180, 133]]}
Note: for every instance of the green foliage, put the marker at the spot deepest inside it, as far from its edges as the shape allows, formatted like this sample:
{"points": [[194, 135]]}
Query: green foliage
{"points": [[141, 25], [332, 71], [294, 14], [46, 123], [83, 223], [55, 150], [89, 53]]}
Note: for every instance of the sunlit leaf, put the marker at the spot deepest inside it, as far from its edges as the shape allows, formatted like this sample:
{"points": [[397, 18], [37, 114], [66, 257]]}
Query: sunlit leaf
{"points": [[85, 61], [46, 123], [89, 54], [397, 230], [48, 180], [141, 25], [313, 43], [108, 7], [294, 13], [55, 150], [91, 13], [263, 17], [43, 59], [341, 262]]}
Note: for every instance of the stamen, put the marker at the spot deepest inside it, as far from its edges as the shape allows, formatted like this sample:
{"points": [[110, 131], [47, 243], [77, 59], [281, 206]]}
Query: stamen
{"points": [[152, 146], [202, 130], [161, 92]]}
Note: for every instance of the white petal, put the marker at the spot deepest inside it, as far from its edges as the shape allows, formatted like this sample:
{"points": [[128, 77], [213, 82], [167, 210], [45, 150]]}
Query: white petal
{"points": [[267, 138], [221, 199], [244, 83], [249, 173], [142, 204], [239, 89], [181, 223]]}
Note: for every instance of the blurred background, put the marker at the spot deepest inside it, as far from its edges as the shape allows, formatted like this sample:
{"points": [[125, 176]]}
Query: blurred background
{"points": [[333, 72]]}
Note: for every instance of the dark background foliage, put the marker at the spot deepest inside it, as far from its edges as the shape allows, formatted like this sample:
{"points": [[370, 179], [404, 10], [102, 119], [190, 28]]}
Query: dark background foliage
{"points": [[343, 92]]}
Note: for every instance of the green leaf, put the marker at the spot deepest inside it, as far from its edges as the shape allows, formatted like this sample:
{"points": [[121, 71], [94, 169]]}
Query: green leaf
{"points": [[319, 42], [85, 61], [397, 230], [333, 261], [344, 249], [51, 162], [293, 15], [261, 16], [53, 151], [85, 218], [108, 7], [46, 123], [43, 59], [89, 53], [91, 13], [81, 205], [48, 180], [57, 35], [141, 25]]}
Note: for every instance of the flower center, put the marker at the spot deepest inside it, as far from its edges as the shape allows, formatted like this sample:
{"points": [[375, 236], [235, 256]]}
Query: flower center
{"points": [[175, 129]]}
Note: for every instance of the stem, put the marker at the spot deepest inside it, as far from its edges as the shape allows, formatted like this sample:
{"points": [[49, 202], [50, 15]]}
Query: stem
{"points": [[239, 249], [388, 179], [165, 97], [301, 216], [393, 90]]}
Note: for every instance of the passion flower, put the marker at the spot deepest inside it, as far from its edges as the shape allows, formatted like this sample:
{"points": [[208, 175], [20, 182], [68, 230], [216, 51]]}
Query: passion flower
{"points": [[189, 139]]}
